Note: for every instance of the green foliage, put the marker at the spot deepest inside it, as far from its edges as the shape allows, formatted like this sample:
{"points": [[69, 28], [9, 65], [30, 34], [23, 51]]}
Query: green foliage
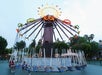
{"points": [[73, 41], [37, 48], [32, 45], [60, 45], [20, 45], [8, 51], [86, 44], [78, 43], [89, 38], [82, 40], [3, 44], [94, 48], [94, 45], [81, 46]]}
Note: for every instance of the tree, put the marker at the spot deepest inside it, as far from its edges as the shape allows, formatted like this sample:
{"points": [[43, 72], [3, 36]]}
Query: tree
{"points": [[73, 41], [77, 42], [3, 44], [20, 46], [31, 47], [86, 44], [60, 45], [33, 44], [8, 51], [86, 37], [94, 48], [37, 49], [89, 38]]}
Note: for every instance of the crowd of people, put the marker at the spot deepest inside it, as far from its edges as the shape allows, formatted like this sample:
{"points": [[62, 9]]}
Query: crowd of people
{"points": [[13, 65]]}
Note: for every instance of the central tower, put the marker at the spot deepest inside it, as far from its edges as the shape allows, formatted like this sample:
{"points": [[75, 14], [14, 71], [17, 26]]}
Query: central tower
{"points": [[46, 12], [48, 34]]}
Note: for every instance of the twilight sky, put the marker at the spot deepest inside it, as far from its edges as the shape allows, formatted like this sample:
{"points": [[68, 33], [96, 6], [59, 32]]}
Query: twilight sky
{"points": [[86, 13]]}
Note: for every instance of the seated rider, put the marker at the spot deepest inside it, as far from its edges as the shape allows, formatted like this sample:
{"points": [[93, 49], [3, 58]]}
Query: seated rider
{"points": [[24, 65], [11, 64]]}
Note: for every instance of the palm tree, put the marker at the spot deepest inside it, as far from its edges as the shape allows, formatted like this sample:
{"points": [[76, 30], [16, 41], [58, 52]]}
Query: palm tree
{"points": [[20, 46], [60, 45], [32, 47], [91, 37], [33, 44], [86, 37]]}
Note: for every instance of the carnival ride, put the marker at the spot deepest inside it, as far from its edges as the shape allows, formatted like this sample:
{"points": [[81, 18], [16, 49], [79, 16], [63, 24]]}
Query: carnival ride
{"points": [[49, 27]]}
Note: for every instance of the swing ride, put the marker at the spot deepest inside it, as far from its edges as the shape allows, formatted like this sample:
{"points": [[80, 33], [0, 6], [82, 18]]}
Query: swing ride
{"points": [[51, 28]]}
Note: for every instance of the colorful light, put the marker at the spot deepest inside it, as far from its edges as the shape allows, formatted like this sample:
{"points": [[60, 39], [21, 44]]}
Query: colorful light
{"points": [[67, 21], [49, 17]]}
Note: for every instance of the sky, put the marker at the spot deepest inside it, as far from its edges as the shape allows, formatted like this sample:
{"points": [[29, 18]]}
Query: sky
{"points": [[86, 13]]}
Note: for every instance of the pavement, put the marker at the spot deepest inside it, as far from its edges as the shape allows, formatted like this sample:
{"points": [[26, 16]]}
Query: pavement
{"points": [[89, 70]]}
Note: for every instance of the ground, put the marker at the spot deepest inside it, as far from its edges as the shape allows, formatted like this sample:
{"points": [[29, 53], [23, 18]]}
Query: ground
{"points": [[90, 70]]}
